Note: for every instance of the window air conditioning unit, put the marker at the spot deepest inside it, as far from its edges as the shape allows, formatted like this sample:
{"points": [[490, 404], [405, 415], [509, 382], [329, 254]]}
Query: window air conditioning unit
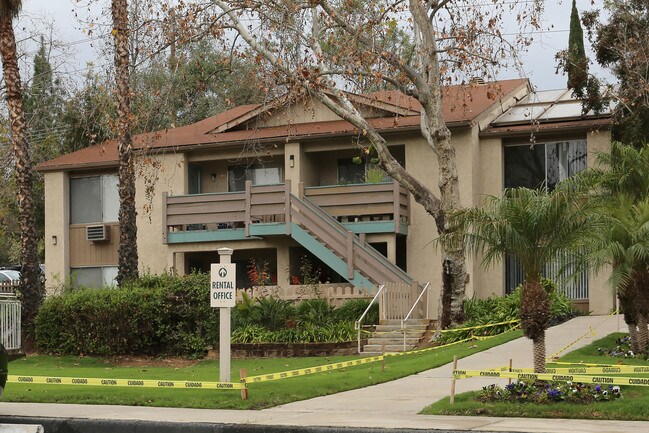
{"points": [[97, 233]]}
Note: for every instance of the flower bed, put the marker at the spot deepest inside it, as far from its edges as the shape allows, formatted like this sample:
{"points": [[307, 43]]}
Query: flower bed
{"points": [[549, 392]]}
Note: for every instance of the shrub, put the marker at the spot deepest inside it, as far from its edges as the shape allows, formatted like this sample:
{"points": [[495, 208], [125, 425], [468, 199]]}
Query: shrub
{"points": [[507, 308], [353, 309], [165, 315], [315, 312]]}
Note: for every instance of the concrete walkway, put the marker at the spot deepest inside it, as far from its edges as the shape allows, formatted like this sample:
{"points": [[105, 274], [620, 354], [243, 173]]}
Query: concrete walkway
{"points": [[392, 405]]}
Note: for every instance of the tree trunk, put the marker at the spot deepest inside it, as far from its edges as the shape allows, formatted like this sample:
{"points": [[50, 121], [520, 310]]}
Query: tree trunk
{"points": [[535, 316], [633, 335], [643, 333], [32, 286], [127, 254], [538, 348]]}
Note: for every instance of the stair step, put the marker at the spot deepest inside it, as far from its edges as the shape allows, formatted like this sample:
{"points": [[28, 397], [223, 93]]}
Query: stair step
{"points": [[397, 328], [397, 347], [410, 322], [392, 341]]}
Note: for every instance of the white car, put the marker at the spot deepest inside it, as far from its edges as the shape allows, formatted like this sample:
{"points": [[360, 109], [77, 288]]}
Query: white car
{"points": [[8, 275]]}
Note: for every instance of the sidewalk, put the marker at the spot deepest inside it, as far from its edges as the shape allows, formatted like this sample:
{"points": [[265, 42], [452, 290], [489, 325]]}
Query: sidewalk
{"points": [[392, 405]]}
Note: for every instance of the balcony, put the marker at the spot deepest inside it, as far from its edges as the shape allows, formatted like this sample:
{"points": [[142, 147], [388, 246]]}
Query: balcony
{"points": [[265, 210]]}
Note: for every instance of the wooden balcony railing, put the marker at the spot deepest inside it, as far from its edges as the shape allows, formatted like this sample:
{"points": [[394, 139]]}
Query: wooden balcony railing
{"points": [[271, 203], [358, 202]]}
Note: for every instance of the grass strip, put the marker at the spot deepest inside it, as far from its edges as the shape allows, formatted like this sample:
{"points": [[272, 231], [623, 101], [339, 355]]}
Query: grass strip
{"points": [[632, 406], [261, 395]]}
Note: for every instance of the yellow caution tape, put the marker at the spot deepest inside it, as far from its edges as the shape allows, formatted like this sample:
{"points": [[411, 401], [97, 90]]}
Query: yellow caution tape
{"points": [[311, 370], [134, 383], [583, 364], [490, 325], [591, 331], [610, 369], [634, 381]]}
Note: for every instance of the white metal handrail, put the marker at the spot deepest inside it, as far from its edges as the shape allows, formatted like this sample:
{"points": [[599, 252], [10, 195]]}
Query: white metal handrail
{"points": [[405, 319], [357, 324]]}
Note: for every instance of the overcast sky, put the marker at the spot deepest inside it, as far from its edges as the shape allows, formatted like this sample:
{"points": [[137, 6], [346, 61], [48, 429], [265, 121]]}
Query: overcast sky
{"points": [[539, 63]]}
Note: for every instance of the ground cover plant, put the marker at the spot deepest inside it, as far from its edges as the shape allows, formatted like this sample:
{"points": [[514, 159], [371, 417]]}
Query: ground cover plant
{"points": [[262, 395], [594, 404]]}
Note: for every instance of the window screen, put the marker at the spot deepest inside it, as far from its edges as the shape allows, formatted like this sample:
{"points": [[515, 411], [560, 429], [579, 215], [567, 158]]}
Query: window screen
{"points": [[85, 200]]}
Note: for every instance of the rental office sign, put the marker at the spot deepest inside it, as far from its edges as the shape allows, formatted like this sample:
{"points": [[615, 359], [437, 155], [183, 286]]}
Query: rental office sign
{"points": [[223, 284]]}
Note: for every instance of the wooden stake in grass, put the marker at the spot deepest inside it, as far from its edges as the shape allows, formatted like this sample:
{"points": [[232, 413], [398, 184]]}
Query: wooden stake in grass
{"points": [[242, 377], [452, 400], [510, 370]]}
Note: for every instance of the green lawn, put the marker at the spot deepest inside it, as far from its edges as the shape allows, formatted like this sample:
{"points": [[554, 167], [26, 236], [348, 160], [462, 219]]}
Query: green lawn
{"points": [[261, 395], [632, 406]]}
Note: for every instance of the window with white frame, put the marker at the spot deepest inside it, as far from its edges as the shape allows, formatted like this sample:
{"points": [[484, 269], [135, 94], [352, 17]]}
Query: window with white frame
{"points": [[94, 276], [259, 175], [94, 199]]}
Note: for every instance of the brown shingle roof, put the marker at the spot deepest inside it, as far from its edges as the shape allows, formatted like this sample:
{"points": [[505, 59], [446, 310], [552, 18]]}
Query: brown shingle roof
{"points": [[461, 105]]}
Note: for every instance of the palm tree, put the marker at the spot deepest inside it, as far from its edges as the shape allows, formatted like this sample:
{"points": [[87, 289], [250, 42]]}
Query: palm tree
{"points": [[625, 246], [534, 226], [32, 287], [127, 254], [621, 184]]}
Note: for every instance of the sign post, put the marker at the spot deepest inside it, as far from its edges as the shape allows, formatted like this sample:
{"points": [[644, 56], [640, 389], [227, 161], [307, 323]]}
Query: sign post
{"points": [[223, 296]]}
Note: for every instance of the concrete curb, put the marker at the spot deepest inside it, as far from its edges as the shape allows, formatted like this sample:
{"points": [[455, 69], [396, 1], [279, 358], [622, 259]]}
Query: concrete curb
{"points": [[82, 425]]}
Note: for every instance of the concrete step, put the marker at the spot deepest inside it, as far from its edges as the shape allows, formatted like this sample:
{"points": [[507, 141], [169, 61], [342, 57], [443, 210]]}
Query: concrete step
{"points": [[397, 347], [397, 328], [389, 341], [373, 348], [410, 322], [383, 348]]}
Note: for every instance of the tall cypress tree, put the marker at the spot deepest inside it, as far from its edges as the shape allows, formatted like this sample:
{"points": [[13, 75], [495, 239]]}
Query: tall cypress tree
{"points": [[577, 63]]}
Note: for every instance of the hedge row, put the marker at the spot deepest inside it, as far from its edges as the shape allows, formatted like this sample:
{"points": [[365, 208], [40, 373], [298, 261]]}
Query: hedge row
{"points": [[171, 315]]}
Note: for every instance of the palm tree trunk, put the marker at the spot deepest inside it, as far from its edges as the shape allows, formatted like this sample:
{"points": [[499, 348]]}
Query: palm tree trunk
{"points": [[633, 334], [643, 333], [127, 254], [32, 287], [538, 349], [535, 316]]}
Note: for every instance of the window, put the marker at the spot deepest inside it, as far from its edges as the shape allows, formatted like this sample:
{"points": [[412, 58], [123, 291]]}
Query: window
{"points": [[259, 175], [543, 164], [94, 199], [95, 277], [350, 172], [537, 166]]}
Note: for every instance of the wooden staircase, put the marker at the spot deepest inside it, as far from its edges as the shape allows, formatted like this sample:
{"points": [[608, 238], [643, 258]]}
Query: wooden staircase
{"points": [[388, 336], [339, 248]]}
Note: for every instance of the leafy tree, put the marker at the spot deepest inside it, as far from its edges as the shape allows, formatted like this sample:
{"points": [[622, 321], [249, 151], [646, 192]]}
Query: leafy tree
{"points": [[88, 113], [620, 43], [535, 227], [577, 66], [31, 287], [323, 49], [198, 82]]}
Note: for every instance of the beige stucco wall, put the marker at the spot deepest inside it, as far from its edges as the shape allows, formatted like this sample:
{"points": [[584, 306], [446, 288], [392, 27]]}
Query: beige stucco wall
{"points": [[168, 174], [57, 223], [602, 299]]}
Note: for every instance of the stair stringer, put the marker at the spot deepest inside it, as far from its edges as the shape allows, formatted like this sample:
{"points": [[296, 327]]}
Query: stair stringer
{"points": [[321, 251]]}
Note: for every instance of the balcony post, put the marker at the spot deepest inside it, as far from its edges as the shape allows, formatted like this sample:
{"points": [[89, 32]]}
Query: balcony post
{"points": [[287, 205], [248, 206], [165, 227], [350, 254], [396, 199], [300, 190]]}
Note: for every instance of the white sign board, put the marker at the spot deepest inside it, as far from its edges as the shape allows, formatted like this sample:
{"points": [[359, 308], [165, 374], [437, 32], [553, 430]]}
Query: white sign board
{"points": [[223, 284]]}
